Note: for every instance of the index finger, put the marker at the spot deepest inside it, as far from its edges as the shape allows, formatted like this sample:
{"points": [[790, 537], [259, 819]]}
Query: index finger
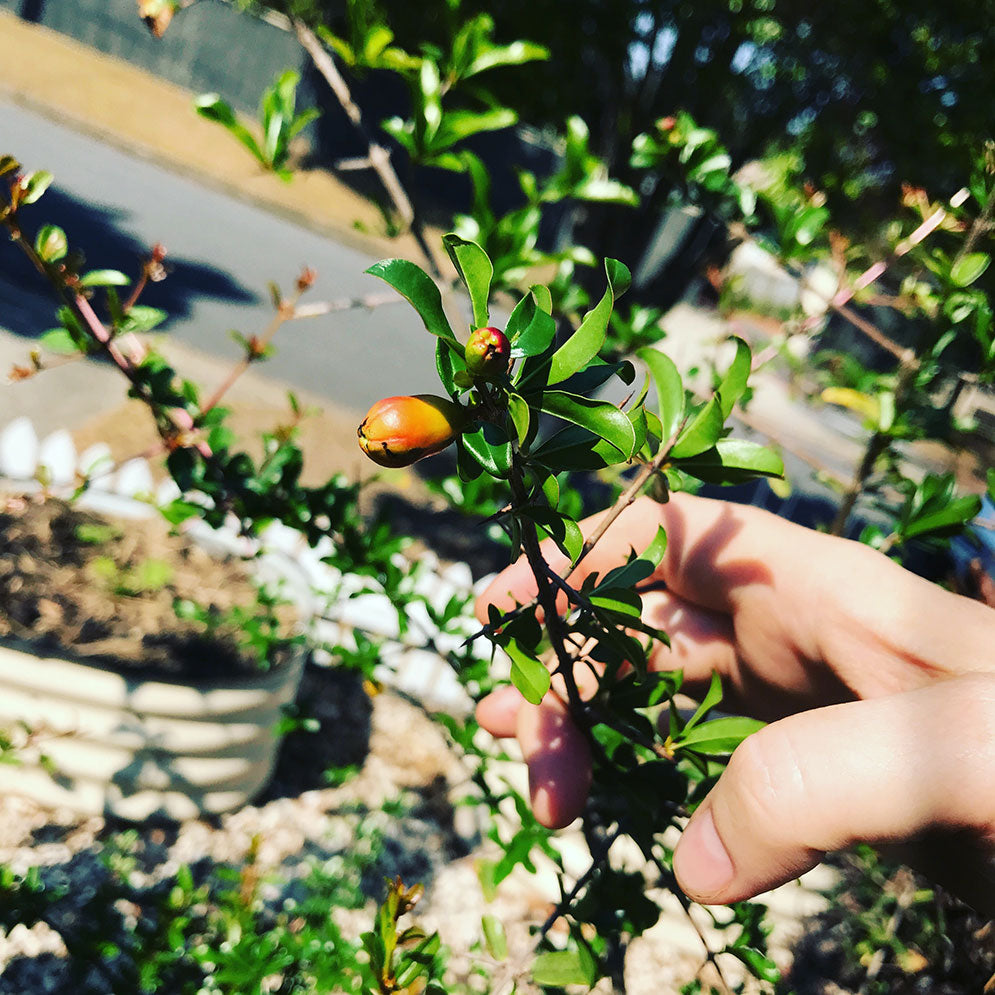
{"points": [[713, 548]]}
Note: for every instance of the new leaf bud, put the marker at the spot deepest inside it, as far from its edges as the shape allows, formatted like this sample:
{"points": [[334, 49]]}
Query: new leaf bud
{"points": [[399, 431], [488, 353]]}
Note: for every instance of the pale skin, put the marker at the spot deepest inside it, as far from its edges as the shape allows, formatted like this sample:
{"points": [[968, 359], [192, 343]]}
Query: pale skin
{"points": [[878, 685]]}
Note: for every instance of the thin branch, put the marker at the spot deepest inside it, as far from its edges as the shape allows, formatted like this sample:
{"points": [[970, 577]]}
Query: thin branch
{"points": [[379, 157], [628, 496]]}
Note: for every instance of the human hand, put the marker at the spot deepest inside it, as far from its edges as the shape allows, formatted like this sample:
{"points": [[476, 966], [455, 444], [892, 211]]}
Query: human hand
{"points": [[882, 685]]}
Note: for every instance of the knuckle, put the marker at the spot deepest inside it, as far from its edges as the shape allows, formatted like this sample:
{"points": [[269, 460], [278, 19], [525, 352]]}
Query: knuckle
{"points": [[767, 774]]}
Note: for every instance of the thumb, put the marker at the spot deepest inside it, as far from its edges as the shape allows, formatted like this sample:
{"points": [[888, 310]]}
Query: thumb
{"points": [[878, 771]]}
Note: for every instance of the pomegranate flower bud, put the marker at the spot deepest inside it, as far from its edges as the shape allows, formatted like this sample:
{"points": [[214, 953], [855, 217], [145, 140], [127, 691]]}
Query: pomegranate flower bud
{"points": [[399, 431], [488, 353]]}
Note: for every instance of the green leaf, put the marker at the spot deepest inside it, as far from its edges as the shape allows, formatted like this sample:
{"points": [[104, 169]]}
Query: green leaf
{"points": [[475, 270], [562, 529], [639, 568], [734, 382], [517, 53], [535, 337], [212, 107], [968, 268], [712, 697], [557, 968], [141, 318], [59, 341], [494, 937], [528, 674], [104, 278], [622, 600], [521, 416], [953, 515], [450, 365], [586, 342], [490, 446], [543, 297], [733, 461], [575, 448], [419, 288], [758, 963], [669, 389], [719, 736], [458, 125], [51, 243], [603, 419], [702, 433]]}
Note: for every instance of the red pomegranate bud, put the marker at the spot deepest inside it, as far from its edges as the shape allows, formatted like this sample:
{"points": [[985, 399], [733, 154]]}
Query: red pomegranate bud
{"points": [[399, 431], [488, 353]]}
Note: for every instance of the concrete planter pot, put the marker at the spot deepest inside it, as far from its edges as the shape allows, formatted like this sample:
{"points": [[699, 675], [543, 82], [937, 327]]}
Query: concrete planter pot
{"points": [[115, 744]]}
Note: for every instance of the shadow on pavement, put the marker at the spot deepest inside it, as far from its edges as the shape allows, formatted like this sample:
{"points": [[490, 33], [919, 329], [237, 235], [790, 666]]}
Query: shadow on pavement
{"points": [[27, 303]]}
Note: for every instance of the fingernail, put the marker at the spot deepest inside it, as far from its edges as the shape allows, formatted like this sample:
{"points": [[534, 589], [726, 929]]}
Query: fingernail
{"points": [[701, 863]]}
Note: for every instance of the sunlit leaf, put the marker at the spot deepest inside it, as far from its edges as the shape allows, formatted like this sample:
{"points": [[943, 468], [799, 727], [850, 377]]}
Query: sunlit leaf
{"points": [[475, 270], [968, 268], [417, 286], [562, 529], [718, 736], [702, 432], [603, 419], [528, 674], [670, 390], [734, 382], [587, 340]]}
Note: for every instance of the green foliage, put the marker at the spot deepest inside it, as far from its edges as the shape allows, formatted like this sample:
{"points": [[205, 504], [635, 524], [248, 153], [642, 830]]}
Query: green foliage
{"points": [[279, 120], [512, 441]]}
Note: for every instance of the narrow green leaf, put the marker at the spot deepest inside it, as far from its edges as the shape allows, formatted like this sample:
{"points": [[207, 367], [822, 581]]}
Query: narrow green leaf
{"points": [[732, 461], [521, 416], [417, 286], [491, 448], [455, 126], [758, 963], [475, 270], [212, 107], [515, 54], [450, 365], [563, 530], [104, 278], [669, 389], [968, 268], [712, 697], [586, 342], [720, 736], [603, 419], [734, 382], [621, 600], [528, 674], [702, 433], [639, 568], [550, 488], [953, 515], [543, 297]]}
